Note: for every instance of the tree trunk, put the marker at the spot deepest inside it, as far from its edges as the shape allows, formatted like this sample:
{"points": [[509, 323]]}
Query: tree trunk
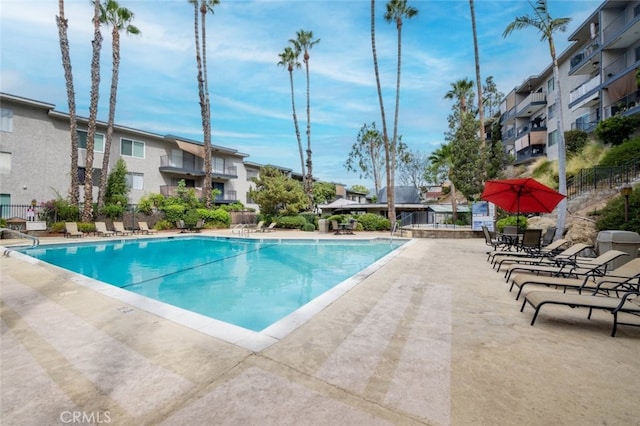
{"points": [[295, 124], [206, 118], [562, 162]]}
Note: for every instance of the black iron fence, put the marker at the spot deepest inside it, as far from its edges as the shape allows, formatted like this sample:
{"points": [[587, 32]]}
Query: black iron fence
{"points": [[603, 177]]}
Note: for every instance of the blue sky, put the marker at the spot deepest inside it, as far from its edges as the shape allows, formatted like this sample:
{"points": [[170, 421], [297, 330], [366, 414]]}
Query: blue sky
{"points": [[250, 94]]}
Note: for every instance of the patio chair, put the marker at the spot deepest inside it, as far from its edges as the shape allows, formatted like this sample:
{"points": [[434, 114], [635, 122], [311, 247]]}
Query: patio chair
{"points": [[118, 227], [144, 228], [549, 250], [101, 229], [71, 230], [336, 228], [180, 226], [259, 227], [570, 253], [629, 303], [490, 239], [570, 267], [549, 235], [531, 241], [624, 278], [198, 226]]}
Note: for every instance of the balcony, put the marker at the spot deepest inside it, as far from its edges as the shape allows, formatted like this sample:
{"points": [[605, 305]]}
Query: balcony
{"points": [[529, 154], [230, 172], [627, 105], [583, 62], [172, 191], [584, 89], [614, 68], [181, 168], [227, 197], [533, 103], [622, 32]]}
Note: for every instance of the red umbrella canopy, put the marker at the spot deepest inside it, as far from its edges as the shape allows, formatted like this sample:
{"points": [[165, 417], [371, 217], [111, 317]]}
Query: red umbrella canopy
{"points": [[525, 195]]}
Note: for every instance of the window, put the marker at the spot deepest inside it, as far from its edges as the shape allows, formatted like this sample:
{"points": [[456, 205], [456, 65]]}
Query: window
{"points": [[135, 180], [249, 199], [552, 111], [6, 120], [637, 53], [251, 174], [95, 177], [553, 138], [130, 148], [98, 141], [5, 162], [551, 85], [217, 164]]}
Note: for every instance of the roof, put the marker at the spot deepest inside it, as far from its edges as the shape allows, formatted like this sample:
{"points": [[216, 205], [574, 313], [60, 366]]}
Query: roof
{"points": [[403, 195], [446, 208]]}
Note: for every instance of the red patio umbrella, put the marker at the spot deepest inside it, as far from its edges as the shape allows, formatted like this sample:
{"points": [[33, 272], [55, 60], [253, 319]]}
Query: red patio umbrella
{"points": [[525, 195]]}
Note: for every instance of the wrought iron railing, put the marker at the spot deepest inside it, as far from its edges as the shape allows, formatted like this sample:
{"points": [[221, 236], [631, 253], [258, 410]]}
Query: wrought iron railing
{"points": [[601, 177]]}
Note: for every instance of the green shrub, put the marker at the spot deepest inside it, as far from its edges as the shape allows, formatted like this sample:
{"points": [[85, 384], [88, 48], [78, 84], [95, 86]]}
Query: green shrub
{"points": [[59, 210], [291, 222], [3, 223], [617, 129], [373, 222], [218, 218], [311, 218], [86, 227], [612, 215], [173, 212], [575, 140], [147, 203], [621, 154], [308, 227], [191, 217], [512, 221], [162, 225], [57, 227], [113, 211]]}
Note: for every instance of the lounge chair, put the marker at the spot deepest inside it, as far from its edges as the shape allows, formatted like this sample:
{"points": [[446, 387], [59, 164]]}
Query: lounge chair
{"points": [[259, 227], [270, 228], [144, 228], [71, 230], [624, 277], [549, 235], [180, 226], [198, 226], [629, 303], [118, 227], [548, 250], [101, 229], [570, 253], [570, 268], [531, 241]]}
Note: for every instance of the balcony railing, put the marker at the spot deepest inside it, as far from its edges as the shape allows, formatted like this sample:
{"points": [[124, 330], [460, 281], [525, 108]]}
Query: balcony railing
{"points": [[583, 54], [227, 171], [622, 105], [614, 68], [532, 99], [584, 88]]}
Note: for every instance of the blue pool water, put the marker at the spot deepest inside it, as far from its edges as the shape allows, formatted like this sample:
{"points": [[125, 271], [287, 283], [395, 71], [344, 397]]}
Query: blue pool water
{"points": [[249, 283]]}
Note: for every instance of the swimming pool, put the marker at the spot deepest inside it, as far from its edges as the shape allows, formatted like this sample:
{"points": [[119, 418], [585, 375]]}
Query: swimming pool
{"points": [[249, 283]]}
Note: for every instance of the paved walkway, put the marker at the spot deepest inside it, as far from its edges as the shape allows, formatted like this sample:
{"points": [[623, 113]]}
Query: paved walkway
{"points": [[432, 337]]}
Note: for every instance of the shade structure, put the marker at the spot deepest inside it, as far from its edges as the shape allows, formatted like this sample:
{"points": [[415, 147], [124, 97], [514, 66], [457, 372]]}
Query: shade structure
{"points": [[339, 203], [524, 195]]}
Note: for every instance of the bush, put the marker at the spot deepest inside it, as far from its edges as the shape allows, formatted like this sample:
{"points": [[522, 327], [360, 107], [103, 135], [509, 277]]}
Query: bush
{"points": [[191, 217], [112, 211], [218, 218], [292, 222], [373, 222], [311, 218], [621, 154], [512, 221], [308, 227], [59, 210], [86, 227], [162, 225], [612, 215], [173, 212], [617, 129], [575, 141], [57, 227]]}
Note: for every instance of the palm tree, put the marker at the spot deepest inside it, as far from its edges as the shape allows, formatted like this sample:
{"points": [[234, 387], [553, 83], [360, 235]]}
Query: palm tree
{"points": [[397, 10], [442, 170], [289, 59], [546, 25], [303, 43], [87, 210], [74, 191], [119, 18], [202, 7], [391, 208], [478, 78], [460, 92]]}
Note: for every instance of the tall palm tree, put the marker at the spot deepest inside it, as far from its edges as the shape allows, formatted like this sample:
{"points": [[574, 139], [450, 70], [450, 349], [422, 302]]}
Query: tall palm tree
{"points": [[87, 209], [397, 10], [546, 26], [289, 59], [478, 78], [303, 43], [74, 191], [119, 18], [391, 208], [460, 92], [202, 7]]}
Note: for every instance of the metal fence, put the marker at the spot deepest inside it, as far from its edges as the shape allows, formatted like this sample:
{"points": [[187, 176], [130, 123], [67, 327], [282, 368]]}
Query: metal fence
{"points": [[600, 177]]}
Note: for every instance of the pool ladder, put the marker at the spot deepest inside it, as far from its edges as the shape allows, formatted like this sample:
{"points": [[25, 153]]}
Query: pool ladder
{"points": [[241, 229], [36, 240]]}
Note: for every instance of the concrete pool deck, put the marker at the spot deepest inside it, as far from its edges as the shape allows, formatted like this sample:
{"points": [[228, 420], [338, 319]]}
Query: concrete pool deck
{"points": [[431, 337]]}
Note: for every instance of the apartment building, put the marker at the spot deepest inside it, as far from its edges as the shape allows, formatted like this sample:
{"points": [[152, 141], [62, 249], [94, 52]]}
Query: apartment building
{"points": [[597, 79], [35, 158]]}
